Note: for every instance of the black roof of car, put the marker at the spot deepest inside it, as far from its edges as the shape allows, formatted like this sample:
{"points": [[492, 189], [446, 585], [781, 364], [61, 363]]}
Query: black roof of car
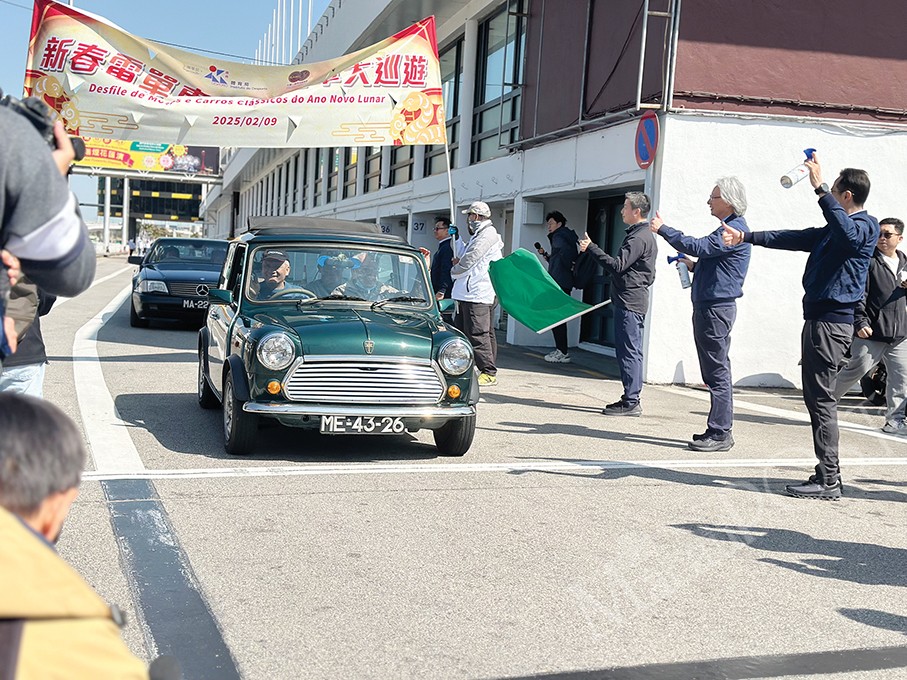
{"points": [[288, 226]]}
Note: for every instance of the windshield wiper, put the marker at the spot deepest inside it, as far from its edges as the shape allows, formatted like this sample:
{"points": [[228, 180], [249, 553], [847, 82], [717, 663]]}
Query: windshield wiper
{"points": [[400, 298], [335, 296]]}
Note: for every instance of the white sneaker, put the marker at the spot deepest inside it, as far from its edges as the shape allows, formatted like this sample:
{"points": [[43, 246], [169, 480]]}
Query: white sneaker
{"points": [[897, 427], [553, 353], [557, 357]]}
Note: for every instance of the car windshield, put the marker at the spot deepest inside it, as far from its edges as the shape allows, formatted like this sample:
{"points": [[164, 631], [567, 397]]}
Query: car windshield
{"points": [[188, 252], [347, 275]]}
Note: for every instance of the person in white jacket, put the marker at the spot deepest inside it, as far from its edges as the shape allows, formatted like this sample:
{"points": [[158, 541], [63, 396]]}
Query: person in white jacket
{"points": [[473, 292]]}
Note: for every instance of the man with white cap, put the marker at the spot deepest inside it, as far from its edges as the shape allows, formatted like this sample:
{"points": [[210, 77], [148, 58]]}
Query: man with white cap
{"points": [[473, 292]]}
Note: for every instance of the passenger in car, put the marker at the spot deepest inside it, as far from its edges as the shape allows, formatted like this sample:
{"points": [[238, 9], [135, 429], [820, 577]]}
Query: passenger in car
{"points": [[330, 275], [364, 282]]}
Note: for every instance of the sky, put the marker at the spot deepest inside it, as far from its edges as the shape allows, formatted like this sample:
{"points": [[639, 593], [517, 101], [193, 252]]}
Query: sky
{"points": [[233, 28]]}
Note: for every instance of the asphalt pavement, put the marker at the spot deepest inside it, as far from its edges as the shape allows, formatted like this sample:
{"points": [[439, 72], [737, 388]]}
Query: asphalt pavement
{"points": [[566, 543]]}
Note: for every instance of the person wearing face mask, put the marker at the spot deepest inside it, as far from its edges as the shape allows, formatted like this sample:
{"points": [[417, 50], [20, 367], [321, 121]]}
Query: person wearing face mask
{"points": [[52, 624], [473, 292], [880, 326], [364, 282]]}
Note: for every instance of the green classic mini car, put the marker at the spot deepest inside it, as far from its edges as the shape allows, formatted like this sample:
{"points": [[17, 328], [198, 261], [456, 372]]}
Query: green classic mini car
{"points": [[332, 325]]}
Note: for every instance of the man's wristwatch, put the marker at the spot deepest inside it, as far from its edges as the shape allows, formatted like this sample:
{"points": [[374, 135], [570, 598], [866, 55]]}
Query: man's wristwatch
{"points": [[822, 189]]}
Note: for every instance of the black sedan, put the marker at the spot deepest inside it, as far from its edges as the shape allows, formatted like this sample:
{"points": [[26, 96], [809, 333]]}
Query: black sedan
{"points": [[173, 279]]}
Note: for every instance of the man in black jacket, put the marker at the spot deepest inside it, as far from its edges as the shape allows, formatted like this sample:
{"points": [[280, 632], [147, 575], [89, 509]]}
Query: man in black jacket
{"points": [[560, 266], [442, 262], [632, 272], [880, 324], [834, 281]]}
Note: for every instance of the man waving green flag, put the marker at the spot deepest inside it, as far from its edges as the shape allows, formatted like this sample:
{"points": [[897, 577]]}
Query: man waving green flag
{"points": [[530, 295]]}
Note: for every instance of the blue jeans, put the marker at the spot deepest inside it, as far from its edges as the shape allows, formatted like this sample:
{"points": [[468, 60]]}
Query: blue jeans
{"points": [[27, 379], [628, 327]]}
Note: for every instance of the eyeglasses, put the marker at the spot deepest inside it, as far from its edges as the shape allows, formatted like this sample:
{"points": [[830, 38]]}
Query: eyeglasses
{"points": [[714, 198], [888, 234], [440, 228]]}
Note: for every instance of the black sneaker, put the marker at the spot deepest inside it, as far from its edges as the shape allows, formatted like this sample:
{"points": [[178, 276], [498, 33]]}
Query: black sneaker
{"points": [[815, 488], [622, 408], [711, 443]]}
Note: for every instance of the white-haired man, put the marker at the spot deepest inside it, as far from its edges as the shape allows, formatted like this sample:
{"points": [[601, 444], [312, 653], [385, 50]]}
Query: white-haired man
{"points": [[717, 283]]}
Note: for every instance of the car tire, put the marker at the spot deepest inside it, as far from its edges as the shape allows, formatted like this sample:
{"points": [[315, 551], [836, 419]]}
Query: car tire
{"points": [[206, 397], [239, 427], [134, 319], [455, 437]]}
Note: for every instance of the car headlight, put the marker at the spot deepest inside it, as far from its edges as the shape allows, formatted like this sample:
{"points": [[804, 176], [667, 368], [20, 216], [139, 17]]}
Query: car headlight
{"points": [[151, 286], [276, 351], [455, 356]]}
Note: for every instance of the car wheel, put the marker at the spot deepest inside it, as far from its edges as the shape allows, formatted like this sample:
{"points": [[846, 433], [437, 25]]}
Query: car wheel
{"points": [[455, 437], [206, 396], [134, 319], [239, 427]]}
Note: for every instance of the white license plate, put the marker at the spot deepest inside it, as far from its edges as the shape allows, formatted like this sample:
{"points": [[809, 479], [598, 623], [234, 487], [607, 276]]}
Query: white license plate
{"points": [[361, 425], [195, 304]]}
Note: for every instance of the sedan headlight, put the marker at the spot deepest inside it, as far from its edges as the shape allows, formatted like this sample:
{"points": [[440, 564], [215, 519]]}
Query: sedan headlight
{"points": [[276, 351], [455, 356], [151, 286]]}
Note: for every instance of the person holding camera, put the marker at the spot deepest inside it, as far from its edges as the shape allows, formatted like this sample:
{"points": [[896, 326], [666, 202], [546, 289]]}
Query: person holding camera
{"points": [[41, 225], [834, 282]]}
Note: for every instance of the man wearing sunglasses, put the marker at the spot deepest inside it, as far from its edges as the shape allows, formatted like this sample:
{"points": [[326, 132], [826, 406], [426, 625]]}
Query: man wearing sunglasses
{"points": [[834, 282], [881, 326], [442, 262]]}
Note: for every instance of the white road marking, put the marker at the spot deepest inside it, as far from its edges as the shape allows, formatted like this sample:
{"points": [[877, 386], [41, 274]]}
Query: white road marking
{"points": [[422, 468], [783, 413], [108, 435], [62, 300]]}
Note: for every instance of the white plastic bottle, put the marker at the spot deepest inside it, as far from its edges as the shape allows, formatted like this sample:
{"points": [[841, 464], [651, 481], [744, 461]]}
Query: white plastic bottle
{"points": [[684, 272], [791, 177]]}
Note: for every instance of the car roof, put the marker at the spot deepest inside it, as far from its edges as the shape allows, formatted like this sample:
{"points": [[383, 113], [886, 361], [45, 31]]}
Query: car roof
{"points": [[293, 227]]}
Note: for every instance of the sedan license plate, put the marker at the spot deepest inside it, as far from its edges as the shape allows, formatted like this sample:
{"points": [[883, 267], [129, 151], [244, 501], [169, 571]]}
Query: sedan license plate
{"points": [[361, 425], [195, 304]]}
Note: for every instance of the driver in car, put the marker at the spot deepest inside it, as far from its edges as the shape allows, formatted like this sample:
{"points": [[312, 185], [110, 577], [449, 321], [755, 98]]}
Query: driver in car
{"points": [[364, 282], [275, 268]]}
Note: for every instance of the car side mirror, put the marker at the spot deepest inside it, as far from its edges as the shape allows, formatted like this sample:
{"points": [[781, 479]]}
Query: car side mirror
{"points": [[135, 259], [446, 305], [219, 296]]}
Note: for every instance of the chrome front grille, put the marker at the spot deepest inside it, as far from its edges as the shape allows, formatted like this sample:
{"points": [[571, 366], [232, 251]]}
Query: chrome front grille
{"points": [[364, 382], [185, 288]]}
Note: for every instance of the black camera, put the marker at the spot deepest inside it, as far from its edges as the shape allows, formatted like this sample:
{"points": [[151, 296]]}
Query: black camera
{"points": [[38, 113]]}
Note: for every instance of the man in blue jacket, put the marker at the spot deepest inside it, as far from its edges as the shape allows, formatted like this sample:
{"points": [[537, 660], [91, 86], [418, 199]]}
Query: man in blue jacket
{"points": [[717, 283], [834, 281]]}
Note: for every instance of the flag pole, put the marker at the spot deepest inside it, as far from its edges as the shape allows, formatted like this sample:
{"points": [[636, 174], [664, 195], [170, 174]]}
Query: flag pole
{"points": [[453, 217]]}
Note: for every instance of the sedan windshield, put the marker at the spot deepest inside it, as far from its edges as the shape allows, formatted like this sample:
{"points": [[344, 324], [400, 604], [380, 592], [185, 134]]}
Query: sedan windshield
{"points": [[188, 252], [342, 275]]}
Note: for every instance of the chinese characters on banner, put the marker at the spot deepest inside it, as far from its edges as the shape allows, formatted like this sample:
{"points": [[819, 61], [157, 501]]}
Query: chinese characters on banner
{"points": [[109, 85]]}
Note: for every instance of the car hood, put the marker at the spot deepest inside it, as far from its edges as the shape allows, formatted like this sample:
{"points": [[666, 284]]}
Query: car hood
{"points": [[348, 332]]}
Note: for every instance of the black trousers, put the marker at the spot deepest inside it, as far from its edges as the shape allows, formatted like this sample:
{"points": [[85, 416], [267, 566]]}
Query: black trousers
{"points": [[475, 320], [824, 346], [560, 332], [712, 333]]}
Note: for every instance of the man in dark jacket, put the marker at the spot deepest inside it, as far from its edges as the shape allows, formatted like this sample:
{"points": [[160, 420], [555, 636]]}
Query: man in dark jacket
{"points": [[880, 324], [834, 281], [631, 272], [442, 262], [560, 266], [717, 283]]}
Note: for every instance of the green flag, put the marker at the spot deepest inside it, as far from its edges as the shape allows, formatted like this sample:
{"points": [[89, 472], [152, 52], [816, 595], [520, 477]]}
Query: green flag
{"points": [[529, 294]]}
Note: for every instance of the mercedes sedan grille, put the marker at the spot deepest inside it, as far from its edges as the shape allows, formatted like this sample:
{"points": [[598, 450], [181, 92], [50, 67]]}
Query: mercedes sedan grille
{"points": [[364, 382]]}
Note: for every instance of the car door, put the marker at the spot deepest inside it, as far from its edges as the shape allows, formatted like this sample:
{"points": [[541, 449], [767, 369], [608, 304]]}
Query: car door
{"points": [[221, 316]]}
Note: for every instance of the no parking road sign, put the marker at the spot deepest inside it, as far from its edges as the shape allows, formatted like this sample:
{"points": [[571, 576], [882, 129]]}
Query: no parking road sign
{"points": [[646, 139]]}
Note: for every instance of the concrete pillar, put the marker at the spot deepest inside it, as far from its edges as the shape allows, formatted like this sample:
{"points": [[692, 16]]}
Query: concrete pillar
{"points": [[467, 91], [126, 197], [106, 240]]}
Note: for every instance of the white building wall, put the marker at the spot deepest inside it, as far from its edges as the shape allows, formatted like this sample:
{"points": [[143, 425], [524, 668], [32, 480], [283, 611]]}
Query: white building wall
{"points": [[694, 151]]}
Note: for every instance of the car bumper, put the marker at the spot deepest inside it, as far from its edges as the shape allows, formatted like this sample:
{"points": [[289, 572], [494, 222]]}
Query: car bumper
{"points": [[155, 306], [433, 412]]}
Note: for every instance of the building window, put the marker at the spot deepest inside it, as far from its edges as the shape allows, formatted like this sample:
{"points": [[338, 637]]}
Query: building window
{"points": [[451, 85], [372, 168], [319, 176], [306, 178], [502, 40], [334, 174], [401, 165], [350, 171]]}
